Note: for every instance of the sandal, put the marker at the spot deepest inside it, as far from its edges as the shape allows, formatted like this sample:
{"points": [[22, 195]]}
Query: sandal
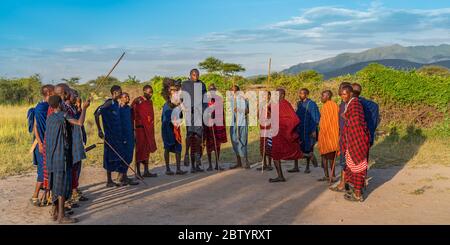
{"points": [[353, 198], [276, 180], [337, 189], [67, 220], [35, 202], [294, 170], [149, 175], [180, 172]]}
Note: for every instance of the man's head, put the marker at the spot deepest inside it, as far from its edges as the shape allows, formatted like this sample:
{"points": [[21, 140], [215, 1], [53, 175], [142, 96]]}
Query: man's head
{"points": [[303, 93], [357, 89], [148, 91], [342, 85], [125, 98], [116, 92], [194, 75], [47, 91], [55, 101], [346, 93], [326, 96], [235, 88], [281, 93], [212, 87], [62, 90]]}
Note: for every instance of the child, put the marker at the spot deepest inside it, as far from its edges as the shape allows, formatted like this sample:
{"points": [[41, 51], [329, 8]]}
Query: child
{"points": [[59, 162]]}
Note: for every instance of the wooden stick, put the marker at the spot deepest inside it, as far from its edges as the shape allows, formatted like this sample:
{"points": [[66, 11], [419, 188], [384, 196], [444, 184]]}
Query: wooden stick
{"points": [[124, 162], [98, 85], [267, 114]]}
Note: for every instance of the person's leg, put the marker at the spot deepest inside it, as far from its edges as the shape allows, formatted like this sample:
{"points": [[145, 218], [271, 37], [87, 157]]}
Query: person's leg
{"points": [[198, 154], [186, 153], [109, 180], [308, 161], [280, 177], [167, 161], [178, 159], [37, 189], [295, 169], [62, 219], [147, 173], [138, 170], [210, 167]]}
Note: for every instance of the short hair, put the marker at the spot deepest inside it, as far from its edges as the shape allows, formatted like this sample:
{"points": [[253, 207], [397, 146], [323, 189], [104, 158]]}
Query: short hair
{"points": [[281, 91], [236, 87], [64, 86], [344, 84], [147, 87], [54, 101], [46, 89], [347, 88], [125, 94], [305, 90], [194, 70], [357, 89], [212, 87], [330, 94], [115, 88]]}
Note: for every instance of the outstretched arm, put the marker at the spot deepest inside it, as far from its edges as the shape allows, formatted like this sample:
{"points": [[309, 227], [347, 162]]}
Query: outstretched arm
{"points": [[82, 118]]}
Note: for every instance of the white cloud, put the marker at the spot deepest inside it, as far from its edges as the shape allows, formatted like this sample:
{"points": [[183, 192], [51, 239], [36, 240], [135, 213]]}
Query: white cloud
{"points": [[314, 34]]}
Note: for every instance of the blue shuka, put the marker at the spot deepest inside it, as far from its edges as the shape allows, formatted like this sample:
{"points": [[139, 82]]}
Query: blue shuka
{"points": [[372, 116], [112, 127], [239, 133], [309, 115], [38, 114], [128, 135], [58, 155], [167, 127]]}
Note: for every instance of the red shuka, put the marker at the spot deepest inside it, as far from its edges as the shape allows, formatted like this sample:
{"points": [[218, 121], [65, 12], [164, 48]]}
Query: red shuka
{"points": [[144, 125], [286, 144]]}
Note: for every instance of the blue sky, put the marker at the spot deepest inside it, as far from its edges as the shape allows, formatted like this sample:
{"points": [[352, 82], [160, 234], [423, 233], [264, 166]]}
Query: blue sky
{"points": [[64, 38]]}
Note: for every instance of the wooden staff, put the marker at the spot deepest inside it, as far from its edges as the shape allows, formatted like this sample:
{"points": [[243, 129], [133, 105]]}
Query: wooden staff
{"points": [[99, 85], [267, 114], [215, 147]]}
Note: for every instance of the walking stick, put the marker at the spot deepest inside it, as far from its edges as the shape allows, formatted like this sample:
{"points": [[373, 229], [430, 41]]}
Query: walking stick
{"points": [[215, 146], [267, 114], [124, 162], [99, 85]]}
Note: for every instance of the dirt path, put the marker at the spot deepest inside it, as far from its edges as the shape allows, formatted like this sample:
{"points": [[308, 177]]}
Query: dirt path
{"points": [[396, 196]]}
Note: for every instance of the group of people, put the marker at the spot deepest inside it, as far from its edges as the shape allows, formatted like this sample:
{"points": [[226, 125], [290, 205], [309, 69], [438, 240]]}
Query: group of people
{"points": [[128, 132], [344, 133], [58, 149]]}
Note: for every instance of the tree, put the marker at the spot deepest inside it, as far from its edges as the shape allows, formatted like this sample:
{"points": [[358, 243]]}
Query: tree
{"points": [[131, 80], [211, 65], [230, 69], [72, 82]]}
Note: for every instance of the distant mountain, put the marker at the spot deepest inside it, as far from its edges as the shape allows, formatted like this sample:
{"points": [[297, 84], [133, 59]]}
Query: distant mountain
{"points": [[393, 63], [414, 54]]}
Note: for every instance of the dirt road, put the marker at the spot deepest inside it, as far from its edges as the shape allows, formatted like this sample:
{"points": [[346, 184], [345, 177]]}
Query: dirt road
{"points": [[395, 196]]}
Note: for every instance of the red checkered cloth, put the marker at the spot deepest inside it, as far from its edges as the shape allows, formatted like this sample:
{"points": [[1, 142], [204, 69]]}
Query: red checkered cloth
{"points": [[263, 142], [357, 180], [220, 132], [355, 137], [194, 145]]}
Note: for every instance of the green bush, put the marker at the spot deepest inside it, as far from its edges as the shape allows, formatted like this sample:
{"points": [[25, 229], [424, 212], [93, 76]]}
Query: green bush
{"points": [[389, 86]]}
